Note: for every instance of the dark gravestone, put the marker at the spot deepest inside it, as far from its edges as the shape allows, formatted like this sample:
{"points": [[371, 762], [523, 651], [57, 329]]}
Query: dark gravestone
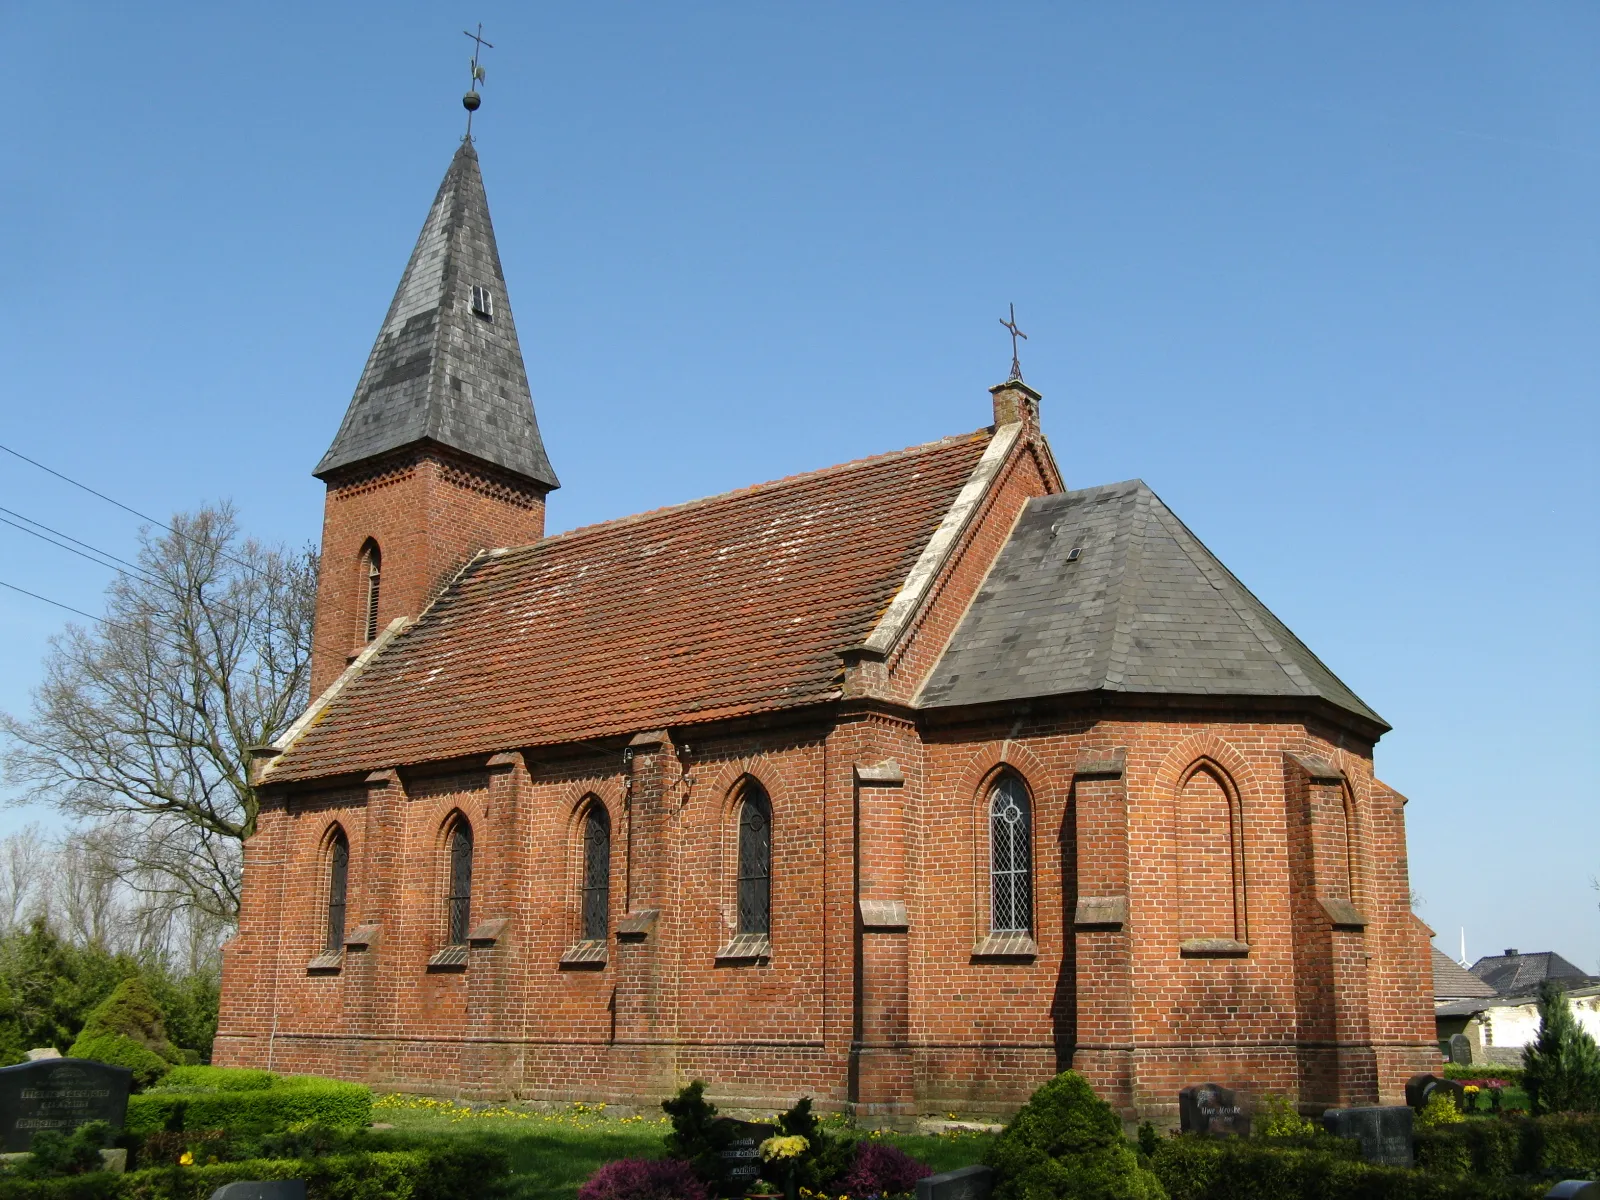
{"points": [[1384, 1133], [59, 1093], [969, 1183], [741, 1152], [1212, 1110], [267, 1189], [1461, 1050], [1421, 1088]]}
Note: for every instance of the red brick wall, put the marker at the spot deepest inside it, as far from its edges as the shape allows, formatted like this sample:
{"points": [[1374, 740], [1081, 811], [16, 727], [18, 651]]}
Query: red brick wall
{"points": [[428, 512]]}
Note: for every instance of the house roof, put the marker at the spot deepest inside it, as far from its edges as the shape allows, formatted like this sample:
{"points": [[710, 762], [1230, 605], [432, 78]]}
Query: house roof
{"points": [[1516, 974], [718, 608], [1145, 607], [1452, 981], [439, 371]]}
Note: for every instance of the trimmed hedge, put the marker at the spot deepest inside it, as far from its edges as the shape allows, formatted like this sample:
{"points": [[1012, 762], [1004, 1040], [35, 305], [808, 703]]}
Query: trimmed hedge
{"points": [[1193, 1168], [119, 1051], [244, 1102], [442, 1173], [1511, 1075], [1562, 1142]]}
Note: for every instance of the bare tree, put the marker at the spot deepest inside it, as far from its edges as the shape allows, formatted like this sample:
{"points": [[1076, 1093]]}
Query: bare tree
{"points": [[24, 876], [142, 726]]}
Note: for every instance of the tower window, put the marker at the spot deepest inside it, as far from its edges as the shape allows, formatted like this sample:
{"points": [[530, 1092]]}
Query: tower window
{"points": [[371, 561], [483, 301]]}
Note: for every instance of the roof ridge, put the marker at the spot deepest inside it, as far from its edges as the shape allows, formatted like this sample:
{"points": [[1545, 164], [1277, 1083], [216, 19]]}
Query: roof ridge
{"points": [[1116, 640], [665, 510]]}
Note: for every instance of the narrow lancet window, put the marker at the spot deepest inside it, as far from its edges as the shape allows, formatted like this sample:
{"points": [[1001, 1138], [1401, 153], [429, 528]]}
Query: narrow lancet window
{"points": [[755, 861], [1010, 857], [460, 898], [338, 877], [596, 873], [371, 562]]}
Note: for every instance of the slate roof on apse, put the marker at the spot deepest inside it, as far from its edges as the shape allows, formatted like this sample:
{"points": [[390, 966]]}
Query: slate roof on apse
{"points": [[1145, 608], [1452, 981], [721, 607], [1521, 974], [438, 371]]}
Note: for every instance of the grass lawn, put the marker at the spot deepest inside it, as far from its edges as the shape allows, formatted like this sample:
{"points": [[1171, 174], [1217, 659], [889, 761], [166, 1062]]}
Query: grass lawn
{"points": [[553, 1153]]}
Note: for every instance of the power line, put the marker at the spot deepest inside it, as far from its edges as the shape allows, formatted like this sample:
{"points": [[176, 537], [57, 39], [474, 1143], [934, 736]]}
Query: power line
{"points": [[57, 603], [119, 504]]}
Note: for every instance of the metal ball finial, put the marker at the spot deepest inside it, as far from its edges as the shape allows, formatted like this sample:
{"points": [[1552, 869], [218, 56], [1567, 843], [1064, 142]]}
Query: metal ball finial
{"points": [[471, 101]]}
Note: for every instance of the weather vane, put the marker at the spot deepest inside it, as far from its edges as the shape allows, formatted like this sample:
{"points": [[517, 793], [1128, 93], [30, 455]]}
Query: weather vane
{"points": [[1016, 363], [471, 100]]}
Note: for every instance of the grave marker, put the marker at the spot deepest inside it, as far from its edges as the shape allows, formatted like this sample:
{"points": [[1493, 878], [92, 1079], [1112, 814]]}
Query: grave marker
{"points": [[741, 1153], [1211, 1110], [1384, 1132], [59, 1093]]}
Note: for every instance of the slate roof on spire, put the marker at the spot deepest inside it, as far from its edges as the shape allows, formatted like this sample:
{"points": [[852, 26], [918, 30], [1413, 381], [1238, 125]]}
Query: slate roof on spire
{"points": [[1145, 608], [440, 372]]}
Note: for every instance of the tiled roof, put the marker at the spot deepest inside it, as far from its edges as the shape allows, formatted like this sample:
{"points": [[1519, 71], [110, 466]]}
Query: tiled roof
{"points": [[717, 608], [440, 371], [1144, 608], [1518, 974], [1452, 981]]}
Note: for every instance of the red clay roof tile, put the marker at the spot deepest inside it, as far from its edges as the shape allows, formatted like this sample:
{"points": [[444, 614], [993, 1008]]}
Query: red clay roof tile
{"points": [[721, 607]]}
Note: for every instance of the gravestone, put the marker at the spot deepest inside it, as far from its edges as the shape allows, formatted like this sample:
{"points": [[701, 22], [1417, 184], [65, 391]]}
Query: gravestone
{"points": [[741, 1152], [1461, 1049], [1574, 1189], [59, 1093], [969, 1183], [1384, 1133], [1421, 1088], [267, 1189], [1211, 1110]]}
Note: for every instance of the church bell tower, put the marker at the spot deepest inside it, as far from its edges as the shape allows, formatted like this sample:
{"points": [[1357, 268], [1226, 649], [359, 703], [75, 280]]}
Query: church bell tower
{"points": [[439, 455]]}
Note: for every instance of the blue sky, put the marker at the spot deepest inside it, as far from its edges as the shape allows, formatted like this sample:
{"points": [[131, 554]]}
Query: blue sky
{"points": [[1326, 276]]}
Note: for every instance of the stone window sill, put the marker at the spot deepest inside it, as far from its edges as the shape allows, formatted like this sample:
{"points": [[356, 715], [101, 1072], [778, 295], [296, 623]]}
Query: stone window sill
{"points": [[1213, 948], [746, 948], [587, 955], [328, 963], [1006, 947], [449, 958]]}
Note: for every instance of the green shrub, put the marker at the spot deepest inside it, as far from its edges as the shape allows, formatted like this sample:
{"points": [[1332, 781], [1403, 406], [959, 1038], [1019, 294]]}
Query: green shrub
{"points": [[146, 1065], [1277, 1117], [96, 1185], [1511, 1075], [304, 1100], [131, 1011], [696, 1138], [1561, 1069], [828, 1156], [56, 1152], [1557, 1143], [1440, 1110], [1066, 1143], [1192, 1168], [219, 1079]]}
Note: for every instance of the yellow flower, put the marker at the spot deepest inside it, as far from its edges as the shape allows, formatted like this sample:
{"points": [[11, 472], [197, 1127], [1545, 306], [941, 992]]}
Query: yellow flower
{"points": [[775, 1148], [186, 1159]]}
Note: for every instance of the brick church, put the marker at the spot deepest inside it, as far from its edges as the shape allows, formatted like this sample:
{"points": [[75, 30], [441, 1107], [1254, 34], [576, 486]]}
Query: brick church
{"points": [[903, 784]]}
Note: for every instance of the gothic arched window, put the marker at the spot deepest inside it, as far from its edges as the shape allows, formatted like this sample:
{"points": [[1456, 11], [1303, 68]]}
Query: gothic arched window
{"points": [[371, 570], [596, 872], [755, 861], [1010, 857], [459, 900], [338, 878]]}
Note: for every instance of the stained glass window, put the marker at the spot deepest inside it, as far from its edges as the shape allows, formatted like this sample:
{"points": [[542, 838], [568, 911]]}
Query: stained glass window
{"points": [[755, 862], [460, 898], [1010, 857], [596, 872], [338, 877]]}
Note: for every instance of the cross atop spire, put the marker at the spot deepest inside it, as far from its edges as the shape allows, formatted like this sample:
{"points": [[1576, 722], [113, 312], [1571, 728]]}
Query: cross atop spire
{"points": [[472, 100], [1016, 363]]}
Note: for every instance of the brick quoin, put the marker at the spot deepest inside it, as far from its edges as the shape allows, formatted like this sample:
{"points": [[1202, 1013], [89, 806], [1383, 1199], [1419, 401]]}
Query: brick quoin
{"points": [[1219, 882]]}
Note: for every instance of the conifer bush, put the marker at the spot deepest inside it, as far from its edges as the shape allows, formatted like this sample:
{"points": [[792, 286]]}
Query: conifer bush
{"points": [[1561, 1069], [1067, 1144]]}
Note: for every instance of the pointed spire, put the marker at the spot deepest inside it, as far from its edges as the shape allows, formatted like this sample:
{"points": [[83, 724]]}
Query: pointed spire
{"points": [[446, 367]]}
